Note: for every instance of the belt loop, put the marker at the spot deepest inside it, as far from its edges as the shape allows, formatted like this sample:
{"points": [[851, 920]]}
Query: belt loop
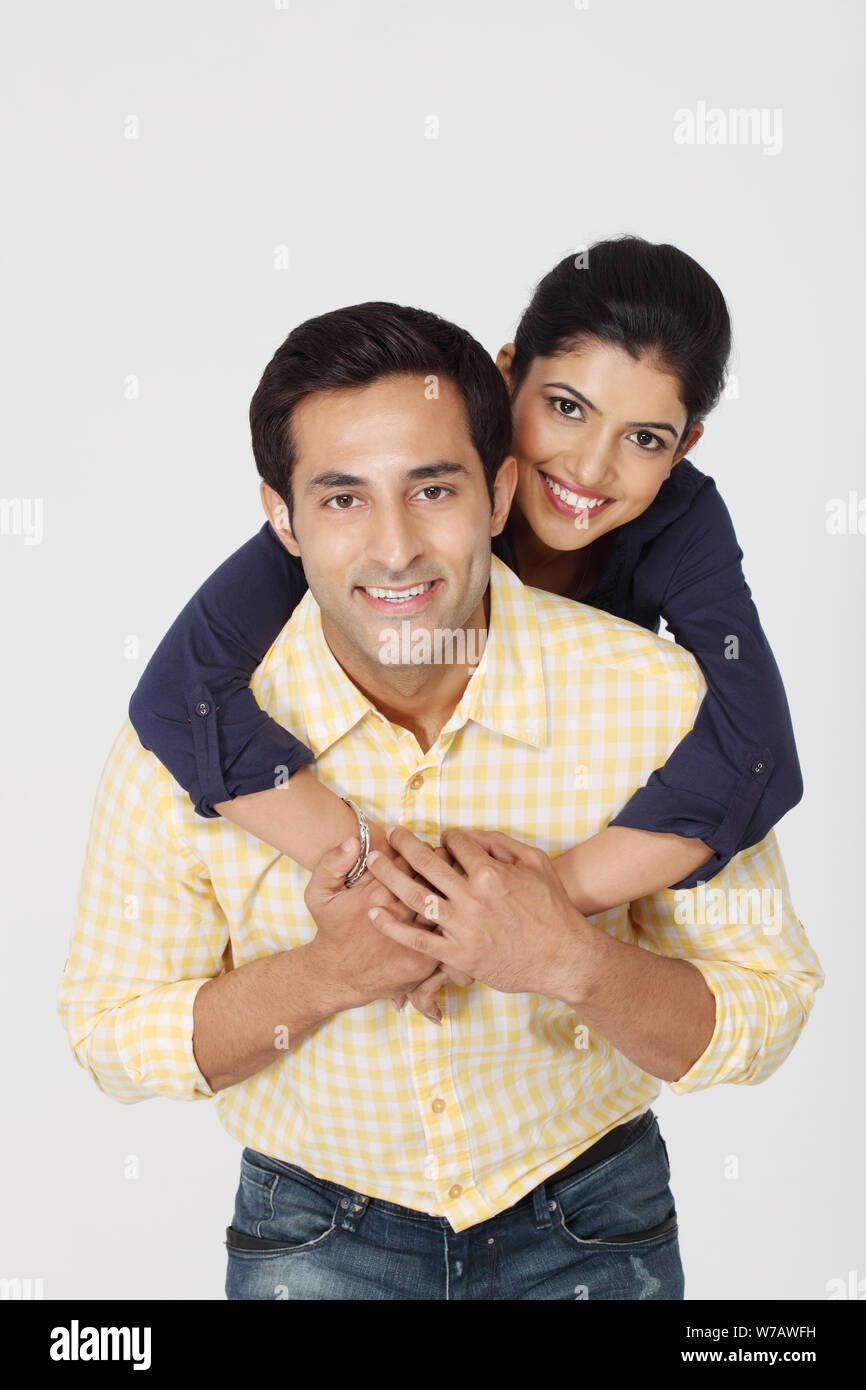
{"points": [[540, 1207], [353, 1209]]}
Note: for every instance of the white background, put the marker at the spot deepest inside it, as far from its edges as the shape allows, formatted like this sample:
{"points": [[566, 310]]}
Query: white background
{"points": [[306, 127]]}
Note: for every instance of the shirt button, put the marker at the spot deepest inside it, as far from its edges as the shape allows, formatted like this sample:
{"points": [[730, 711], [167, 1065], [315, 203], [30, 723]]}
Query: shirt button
{"points": [[757, 767], [455, 1190], [417, 782], [438, 1105], [202, 708]]}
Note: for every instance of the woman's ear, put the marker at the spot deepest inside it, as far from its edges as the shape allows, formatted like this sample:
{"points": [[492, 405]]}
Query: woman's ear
{"points": [[504, 358], [688, 443], [277, 512]]}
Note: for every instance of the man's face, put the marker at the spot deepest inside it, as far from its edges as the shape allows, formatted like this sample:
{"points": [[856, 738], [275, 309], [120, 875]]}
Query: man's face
{"points": [[391, 512]]}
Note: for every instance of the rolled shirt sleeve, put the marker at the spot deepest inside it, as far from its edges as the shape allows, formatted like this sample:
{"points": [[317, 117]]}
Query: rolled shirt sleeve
{"points": [[193, 706], [148, 933], [736, 772], [742, 934]]}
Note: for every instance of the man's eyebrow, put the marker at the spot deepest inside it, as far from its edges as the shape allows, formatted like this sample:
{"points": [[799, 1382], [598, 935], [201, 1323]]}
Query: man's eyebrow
{"points": [[630, 424], [437, 468]]}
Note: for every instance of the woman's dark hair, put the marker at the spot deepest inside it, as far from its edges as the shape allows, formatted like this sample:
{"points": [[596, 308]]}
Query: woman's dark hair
{"points": [[641, 297], [363, 344]]}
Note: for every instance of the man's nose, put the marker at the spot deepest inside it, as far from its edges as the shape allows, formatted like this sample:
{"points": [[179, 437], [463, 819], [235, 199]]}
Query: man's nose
{"points": [[394, 543]]}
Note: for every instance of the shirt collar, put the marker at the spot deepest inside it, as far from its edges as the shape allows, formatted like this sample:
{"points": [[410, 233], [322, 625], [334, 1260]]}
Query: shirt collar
{"points": [[505, 692]]}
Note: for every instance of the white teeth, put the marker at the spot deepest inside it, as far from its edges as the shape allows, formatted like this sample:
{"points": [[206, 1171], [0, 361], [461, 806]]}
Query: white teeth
{"points": [[397, 595], [573, 499]]}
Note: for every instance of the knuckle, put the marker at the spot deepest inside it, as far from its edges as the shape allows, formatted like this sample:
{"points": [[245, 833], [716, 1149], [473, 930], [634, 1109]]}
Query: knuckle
{"points": [[489, 878]]}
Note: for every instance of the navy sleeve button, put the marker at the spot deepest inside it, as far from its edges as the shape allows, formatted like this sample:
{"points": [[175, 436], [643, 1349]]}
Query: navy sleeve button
{"points": [[204, 708], [757, 767]]}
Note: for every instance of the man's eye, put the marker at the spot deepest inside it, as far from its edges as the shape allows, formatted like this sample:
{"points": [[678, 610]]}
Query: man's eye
{"points": [[340, 498], [435, 487], [652, 447]]}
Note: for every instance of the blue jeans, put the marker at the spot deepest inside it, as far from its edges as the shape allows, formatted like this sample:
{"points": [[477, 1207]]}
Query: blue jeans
{"points": [[608, 1232]]}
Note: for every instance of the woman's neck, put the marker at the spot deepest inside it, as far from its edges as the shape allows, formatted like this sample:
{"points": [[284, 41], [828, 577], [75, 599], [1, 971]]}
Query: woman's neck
{"points": [[570, 573]]}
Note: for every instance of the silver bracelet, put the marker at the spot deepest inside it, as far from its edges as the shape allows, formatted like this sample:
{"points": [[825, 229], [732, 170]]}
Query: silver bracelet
{"points": [[360, 863]]}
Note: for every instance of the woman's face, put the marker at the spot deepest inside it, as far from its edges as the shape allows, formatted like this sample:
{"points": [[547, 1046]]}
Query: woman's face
{"points": [[595, 435]]}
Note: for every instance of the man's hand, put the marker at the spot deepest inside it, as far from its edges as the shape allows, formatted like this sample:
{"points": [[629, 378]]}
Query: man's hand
{"points": [[362, 963], [507, 921], [424, 997]]}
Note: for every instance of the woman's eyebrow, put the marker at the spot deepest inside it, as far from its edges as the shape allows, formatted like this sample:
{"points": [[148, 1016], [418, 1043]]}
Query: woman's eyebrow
{"points": [[649, 424], [563, 386], [630, 424]]}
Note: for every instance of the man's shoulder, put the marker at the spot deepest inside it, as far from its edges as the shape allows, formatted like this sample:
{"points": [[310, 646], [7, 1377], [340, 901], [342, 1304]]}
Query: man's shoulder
{"points": [[137, 794], [292, 648], [572, 632]]}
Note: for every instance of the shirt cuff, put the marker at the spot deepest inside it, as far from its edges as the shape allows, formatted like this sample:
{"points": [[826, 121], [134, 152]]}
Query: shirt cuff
{"points": [[152, 1038], [741, 1013], [672, 810], [267, 755]]}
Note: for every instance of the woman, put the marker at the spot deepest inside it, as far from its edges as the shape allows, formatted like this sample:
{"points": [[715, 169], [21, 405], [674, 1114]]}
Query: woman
{"points": [[615, 364]]}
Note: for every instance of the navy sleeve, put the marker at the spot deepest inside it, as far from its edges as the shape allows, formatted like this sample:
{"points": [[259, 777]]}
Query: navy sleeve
{"points": [[736, 773], [193, 706]]}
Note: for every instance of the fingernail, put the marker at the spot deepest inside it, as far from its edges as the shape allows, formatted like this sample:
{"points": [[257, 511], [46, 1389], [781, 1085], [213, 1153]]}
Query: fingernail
{"points": [[374, 854], [347, 845], [388, 833]]}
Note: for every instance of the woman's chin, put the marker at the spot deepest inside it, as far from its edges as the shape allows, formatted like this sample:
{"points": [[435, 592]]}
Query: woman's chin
{"points": [[559, 533]]}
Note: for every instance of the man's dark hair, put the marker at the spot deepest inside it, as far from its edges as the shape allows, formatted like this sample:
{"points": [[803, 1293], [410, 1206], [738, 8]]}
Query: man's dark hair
{"points": [[362, 344]]}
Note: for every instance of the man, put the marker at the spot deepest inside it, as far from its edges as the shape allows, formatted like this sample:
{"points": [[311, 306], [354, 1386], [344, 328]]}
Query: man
{"points": [[510, 1152]]}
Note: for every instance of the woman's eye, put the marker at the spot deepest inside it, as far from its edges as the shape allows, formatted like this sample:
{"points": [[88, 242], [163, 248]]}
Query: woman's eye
{"points": [[650, 443], [341, 497], [563, 401]]}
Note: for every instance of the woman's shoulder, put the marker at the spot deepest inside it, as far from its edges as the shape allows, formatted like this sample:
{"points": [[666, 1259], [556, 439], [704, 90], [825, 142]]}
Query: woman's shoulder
{"points": [[687, 509], [686, 489]]}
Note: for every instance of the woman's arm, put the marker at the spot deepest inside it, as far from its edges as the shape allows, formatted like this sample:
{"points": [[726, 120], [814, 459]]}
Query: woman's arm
{"points": [[194, 710], [619, 865], [736, 773]]}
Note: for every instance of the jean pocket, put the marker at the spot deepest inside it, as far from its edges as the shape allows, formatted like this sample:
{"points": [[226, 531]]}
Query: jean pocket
{"points": [[626, 1203], [277, 1214]]}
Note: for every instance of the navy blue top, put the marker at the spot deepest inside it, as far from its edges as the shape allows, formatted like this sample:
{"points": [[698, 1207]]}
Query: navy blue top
{"points": [[728, 781]]}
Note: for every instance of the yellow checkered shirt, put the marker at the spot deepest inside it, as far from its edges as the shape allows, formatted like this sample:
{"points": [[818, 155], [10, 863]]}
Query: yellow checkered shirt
{"points": [[567, 713]]}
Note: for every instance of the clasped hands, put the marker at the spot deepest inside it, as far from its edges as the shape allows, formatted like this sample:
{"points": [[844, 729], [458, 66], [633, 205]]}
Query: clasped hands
{"points": [[487, 907]]}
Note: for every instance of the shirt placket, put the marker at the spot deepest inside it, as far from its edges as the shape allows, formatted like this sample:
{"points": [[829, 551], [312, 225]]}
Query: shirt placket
{"points": [[447, 1162]]}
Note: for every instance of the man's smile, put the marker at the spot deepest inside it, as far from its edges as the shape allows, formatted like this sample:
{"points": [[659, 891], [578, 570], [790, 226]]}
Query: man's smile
{"points": [[406, 598]]}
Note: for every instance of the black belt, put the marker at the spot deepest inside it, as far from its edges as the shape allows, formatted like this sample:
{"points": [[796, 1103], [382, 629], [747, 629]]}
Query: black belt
{"points": [[609, 1144]]}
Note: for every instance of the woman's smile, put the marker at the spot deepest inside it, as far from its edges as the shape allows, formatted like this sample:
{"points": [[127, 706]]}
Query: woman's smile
{"points": [[581, 504]]}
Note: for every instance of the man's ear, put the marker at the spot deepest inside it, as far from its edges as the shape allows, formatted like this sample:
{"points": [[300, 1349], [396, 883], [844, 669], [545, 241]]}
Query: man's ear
{"points": [[503, 492], [504, 358], [278, 515], [688, 443]]}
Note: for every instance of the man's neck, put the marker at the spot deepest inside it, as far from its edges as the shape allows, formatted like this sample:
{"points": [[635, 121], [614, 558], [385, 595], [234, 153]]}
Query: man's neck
{"points": [[422, 697]]}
